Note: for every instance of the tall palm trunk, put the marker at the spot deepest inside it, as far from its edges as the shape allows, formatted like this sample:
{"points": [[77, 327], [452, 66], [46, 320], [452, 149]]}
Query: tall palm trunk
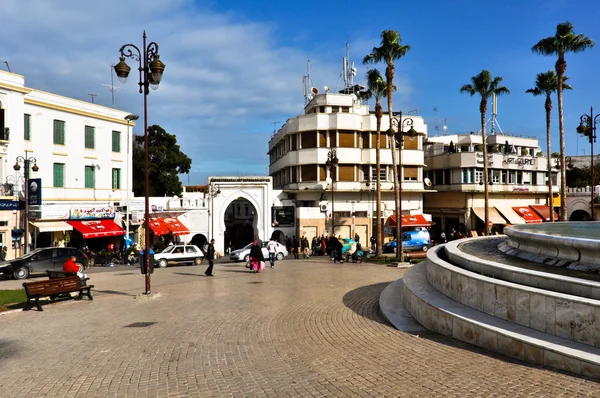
{"points": [[486, 193], [389, 75], [561, 66], [548, 107], [379, 236]]}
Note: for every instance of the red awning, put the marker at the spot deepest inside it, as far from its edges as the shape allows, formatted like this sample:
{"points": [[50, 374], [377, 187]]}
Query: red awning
{"points": [[410, 221], [544, 212], [97, 228], [175, 226], [528, 215], [158, 227]]}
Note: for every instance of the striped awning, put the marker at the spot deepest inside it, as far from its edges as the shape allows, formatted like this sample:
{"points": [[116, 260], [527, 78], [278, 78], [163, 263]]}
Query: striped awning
{"points": [[510, 215], [51, 226], [495, 217]]}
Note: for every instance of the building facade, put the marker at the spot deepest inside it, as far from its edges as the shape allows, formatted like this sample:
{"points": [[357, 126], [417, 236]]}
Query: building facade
{"points": [[82, 154]]}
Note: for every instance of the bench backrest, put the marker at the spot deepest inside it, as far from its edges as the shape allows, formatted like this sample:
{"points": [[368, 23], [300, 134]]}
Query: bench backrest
{"points": [[52, 285], [60, 274]]}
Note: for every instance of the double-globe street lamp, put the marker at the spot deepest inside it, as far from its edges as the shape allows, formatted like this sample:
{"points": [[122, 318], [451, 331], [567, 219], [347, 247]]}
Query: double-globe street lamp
{"points": [[27, 161], [151, 70], [213, 192], [331, 163], [402, 127], [130, 118], [587, 128]]}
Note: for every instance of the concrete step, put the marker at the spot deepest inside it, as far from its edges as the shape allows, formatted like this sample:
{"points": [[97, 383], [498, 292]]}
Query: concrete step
{"points": [[439, 313], [390, 302]]}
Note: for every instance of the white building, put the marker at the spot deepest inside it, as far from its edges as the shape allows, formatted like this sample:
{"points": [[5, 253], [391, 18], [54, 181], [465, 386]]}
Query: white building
{"points": [[298, 153], [82, 154], [517, 180]]}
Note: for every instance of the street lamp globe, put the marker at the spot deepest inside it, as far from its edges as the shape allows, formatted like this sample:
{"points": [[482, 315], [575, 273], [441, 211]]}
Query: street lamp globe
{"points": [[122, 70]]}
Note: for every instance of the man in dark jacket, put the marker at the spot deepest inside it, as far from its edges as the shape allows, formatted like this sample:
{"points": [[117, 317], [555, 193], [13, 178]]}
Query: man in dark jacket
{"points": [[210, 256], [295, 247]]}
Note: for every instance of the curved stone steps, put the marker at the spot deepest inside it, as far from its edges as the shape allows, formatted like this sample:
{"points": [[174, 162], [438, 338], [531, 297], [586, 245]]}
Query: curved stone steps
{"points": [[441, 314]]}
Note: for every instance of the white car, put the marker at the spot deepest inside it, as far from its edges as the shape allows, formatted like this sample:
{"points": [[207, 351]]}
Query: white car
{"points": [[244, 253], [179, 254]]}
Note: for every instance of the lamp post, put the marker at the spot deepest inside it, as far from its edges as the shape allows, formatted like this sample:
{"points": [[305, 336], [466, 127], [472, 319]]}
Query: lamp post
{"points": [[213, 191], [130, 118], [151, 70], [332, 162], [587, 128], [27, 161], [400, 125]]}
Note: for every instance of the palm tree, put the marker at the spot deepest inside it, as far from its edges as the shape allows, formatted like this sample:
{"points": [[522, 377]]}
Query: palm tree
{"points": [[390, 51], [546, 83], [565, 40], [377, 89], [486, 86]]}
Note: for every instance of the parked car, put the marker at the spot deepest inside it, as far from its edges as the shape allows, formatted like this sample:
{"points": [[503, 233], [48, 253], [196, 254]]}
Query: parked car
{"points": [[244, 253], [411, 240], [42, 259], [179, 254]]}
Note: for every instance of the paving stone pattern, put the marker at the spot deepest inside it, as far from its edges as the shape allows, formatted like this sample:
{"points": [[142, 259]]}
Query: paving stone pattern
{"points": [[307, 328]]}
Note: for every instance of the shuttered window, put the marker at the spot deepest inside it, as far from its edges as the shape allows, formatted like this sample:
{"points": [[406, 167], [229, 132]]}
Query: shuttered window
{"points": [[309, 139], [89, 137], [322, 139], [322, 173], [294, 138], [59, 175], [27, 128], [346, 172], [116, 178], [89, 176], [346, 139], [411, 173], [116, 141], [332, 138], [411, 142], [309, 172], [59, 132], [294, 175], [366, 139]]}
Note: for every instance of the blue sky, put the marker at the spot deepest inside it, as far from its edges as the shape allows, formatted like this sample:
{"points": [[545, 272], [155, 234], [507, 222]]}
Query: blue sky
{"points": [[235, 67]]}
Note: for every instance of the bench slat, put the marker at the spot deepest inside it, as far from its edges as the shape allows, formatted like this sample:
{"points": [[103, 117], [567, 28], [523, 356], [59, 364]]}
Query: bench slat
{"points": [[55, 287]]}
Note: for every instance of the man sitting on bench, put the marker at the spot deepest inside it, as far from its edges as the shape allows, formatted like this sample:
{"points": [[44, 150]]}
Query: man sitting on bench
{"points": [[70, 266]]}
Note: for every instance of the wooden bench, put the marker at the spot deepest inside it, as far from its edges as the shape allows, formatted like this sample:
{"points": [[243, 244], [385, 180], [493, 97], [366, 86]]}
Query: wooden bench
{"points": [[64, 274], [53, 288]]}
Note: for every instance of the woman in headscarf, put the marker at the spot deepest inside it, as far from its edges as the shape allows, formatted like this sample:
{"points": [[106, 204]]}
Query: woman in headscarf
{"points": [[256, 256]]}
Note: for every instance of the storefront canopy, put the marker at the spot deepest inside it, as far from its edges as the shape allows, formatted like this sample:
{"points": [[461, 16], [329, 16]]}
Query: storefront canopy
{"points": [[175, 226], [495, 217], [97, 228], [416, 220], [510, 215], [158, 227], [544, 212], [528, 215], [52, 226]]}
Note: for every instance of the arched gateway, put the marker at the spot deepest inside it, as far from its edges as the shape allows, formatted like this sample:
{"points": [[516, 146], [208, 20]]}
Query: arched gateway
{"points": [[239, 201]]}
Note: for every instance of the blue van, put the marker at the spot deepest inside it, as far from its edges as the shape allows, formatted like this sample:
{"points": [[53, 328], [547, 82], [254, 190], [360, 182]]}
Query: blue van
{"points": [[411, 240]]}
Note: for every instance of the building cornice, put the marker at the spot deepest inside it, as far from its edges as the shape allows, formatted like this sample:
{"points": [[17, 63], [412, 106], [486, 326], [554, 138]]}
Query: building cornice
{"points": [[75, 111], [23, 90]]}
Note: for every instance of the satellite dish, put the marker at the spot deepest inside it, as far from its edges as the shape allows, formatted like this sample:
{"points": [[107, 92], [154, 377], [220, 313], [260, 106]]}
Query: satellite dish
{"points": [[326, 88], [427, 181], [315, 90]]}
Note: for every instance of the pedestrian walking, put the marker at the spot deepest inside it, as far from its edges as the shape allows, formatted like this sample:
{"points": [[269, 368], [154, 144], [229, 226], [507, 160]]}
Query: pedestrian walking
{"points": [[260, 242], [256, 257], [210, 256], [295, 247], [323, 246], [373, 242], [332, 245], [272, 249], [288, 244]]}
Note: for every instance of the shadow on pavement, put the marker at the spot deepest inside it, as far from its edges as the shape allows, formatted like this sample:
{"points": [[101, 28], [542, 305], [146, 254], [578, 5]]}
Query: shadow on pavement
{"points": [[113, 292], [364, 301], [188, 274]]}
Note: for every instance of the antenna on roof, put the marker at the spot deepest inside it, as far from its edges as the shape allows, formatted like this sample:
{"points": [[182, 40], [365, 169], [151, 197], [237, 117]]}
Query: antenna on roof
{"points": [[308, 87], [349, 71], [7, 66], [437, 124], [93, 95], [112, 87], [275, 127]]}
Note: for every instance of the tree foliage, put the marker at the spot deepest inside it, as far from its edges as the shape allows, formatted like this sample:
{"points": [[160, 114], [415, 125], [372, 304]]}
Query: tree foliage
{"points": [[166, 162]]}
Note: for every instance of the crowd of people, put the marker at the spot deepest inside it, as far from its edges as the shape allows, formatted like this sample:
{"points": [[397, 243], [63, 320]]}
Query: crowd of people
{"points": [[331, 246]]}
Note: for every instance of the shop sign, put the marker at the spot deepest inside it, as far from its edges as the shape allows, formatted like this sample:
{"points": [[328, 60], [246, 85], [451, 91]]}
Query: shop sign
{"points": [[7, 204], [521, 189], [34, 191], [519, 161], [78, 213]]}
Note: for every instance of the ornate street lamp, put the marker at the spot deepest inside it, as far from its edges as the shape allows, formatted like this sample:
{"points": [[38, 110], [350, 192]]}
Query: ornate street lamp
{"points": [[213, 192], [332, 162], [151, 70], [130, 118], [587, 128], [27, 161], [402, 127]]}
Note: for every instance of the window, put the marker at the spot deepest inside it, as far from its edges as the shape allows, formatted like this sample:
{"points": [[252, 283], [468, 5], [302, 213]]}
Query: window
{"points": [[308, 139], [309, 172], [116, 178], [89, 137], [59, 175], [89, 176], [479, 176], [346, 172], [27, 128], [411, 173], [346, 139], [382, 173], [116, 141], [59, 132], [467, 176]]}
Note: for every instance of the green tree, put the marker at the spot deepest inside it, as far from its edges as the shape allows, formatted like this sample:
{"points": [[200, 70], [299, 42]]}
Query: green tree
{"points": [[565, 40], [546, 83], [166, 163], [391, 50], [377, 88], [485, 85]]}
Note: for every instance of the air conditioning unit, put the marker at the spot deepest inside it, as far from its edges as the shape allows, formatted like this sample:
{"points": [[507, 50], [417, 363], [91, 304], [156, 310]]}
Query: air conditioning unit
{"points": [[323, 208]]}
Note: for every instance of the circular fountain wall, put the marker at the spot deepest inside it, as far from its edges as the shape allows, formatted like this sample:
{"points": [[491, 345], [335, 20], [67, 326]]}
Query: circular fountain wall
{"points": [[572, 244]]}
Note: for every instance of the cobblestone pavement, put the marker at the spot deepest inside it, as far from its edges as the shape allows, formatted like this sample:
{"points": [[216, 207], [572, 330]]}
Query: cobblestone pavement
{"points": [[307, 328]]}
